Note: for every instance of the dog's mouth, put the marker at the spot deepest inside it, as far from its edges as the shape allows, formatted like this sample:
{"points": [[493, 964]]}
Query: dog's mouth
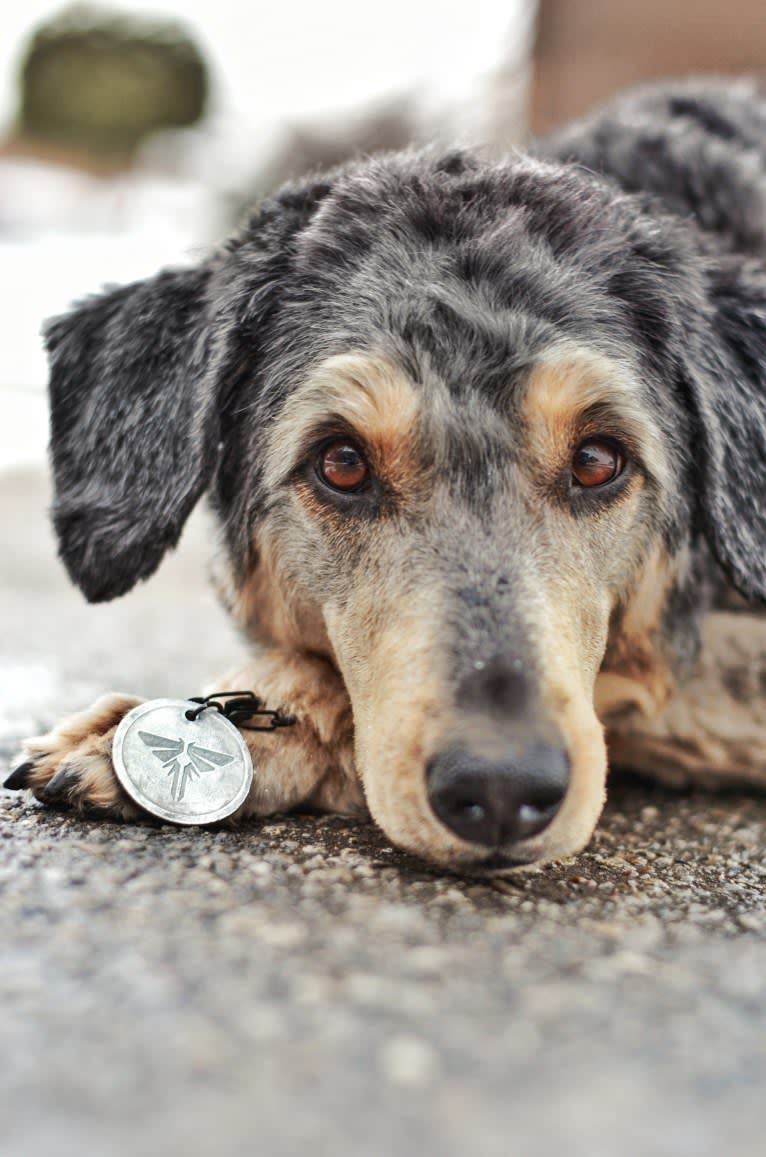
{"points": [[497, 863], [501, 863]]}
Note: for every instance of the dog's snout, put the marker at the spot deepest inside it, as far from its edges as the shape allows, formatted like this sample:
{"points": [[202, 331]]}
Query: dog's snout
{"points": [[499, 686], [497, 802]]}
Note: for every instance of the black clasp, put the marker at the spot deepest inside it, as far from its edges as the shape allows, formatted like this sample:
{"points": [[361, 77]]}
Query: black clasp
{"points": [[239, 706]]}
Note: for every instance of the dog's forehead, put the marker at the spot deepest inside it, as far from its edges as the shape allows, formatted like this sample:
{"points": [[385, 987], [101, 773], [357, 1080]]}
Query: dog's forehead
{"points": [[473, 272], [464, 282], [449, 270]]}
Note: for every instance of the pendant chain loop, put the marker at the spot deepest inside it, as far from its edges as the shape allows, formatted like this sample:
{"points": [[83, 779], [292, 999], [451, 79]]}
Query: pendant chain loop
{"points": [[238, 707]]}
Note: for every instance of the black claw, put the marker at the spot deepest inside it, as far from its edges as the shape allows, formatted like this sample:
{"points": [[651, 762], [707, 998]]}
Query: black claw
{"points": [[19, 777], [57, 790]]}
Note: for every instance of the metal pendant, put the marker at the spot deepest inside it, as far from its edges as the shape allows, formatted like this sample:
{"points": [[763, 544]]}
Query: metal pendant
{"points": [[188, 771]]}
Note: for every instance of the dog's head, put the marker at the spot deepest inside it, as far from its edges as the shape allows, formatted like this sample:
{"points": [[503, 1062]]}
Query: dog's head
{"points": [[465, 427]]}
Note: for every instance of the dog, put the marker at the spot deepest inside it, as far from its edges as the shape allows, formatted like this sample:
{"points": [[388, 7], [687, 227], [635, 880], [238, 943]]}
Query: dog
{"points": [[486, 442]]}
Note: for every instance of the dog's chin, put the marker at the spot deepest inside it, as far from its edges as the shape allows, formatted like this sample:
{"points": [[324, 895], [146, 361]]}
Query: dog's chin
{"points": [[496, 864]]}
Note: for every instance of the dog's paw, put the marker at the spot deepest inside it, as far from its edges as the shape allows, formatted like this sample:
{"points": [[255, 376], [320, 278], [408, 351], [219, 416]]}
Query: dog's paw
{"points": [[71, 767]]}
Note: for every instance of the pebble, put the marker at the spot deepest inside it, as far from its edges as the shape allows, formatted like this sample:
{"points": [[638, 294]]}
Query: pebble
{"points": [[281, 935], [408, 1061], [752, 921]]}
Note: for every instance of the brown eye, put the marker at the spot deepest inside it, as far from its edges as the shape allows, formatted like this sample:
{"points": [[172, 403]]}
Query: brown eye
{"points": [[595, 463], [342, 466]]}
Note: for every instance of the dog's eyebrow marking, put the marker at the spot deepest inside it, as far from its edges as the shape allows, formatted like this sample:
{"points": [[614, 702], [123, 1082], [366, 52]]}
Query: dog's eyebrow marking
{"points": [[574, 390], [365, 393]]}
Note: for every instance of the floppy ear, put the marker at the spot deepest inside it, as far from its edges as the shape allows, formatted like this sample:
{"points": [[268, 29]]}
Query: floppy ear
{"points": [[137, 384], [725, 363], [134, 426]]}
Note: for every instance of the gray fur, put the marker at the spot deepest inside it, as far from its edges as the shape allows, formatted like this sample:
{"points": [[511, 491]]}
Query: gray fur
{"points": [[639, 232]]}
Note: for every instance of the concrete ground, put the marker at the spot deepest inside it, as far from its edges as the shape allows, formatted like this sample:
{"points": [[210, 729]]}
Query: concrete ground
{"points": [[300, 986]]}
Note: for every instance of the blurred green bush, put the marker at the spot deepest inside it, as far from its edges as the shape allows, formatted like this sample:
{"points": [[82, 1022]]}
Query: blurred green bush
{"points": [[100, 83]]}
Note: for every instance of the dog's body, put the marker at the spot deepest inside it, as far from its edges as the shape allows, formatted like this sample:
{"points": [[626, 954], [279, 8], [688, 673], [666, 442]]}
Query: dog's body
{"points": [[487, 443]]}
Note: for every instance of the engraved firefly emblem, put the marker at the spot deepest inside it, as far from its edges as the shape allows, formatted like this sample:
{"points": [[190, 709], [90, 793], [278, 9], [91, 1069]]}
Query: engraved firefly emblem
{"points": [[183, 761]]}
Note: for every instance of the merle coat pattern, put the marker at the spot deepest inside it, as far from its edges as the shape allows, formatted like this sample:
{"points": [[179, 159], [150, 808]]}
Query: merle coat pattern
{"points": [[455, 634]]}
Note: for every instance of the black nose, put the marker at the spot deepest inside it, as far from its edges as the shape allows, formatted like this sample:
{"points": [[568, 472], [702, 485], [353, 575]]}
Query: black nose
{"points": [[495, 803]]}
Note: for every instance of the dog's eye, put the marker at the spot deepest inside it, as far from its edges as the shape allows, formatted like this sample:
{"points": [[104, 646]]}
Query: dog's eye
{"points": [[595, 463], [342, 466]]}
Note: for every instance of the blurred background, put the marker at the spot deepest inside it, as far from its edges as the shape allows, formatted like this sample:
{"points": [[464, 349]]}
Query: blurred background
{"points": [[135, 134]]}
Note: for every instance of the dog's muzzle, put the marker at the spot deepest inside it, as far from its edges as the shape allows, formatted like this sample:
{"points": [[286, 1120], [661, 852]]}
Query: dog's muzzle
{"points": [[496, 803]]}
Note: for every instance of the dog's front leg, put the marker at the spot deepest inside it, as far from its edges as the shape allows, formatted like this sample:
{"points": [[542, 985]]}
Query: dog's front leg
{"points": [[311, 762], [713, 729]]}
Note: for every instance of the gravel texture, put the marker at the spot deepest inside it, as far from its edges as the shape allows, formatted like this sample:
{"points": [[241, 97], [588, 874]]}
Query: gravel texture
{"points": [[298, 985]]}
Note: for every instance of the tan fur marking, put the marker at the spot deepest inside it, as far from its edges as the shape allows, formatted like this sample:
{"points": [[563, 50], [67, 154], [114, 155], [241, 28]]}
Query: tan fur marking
{"points": [[403, 717], [714, 729], [573, 826], [313, 761], [269, 608], [635, 672], [377, 401], [614, 694], [567, 693], [369, 394], [82, 744], [568, 383]]}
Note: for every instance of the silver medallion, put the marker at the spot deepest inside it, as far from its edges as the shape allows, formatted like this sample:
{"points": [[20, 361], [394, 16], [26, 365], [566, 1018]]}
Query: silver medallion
{"points": [[187, 771]]}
